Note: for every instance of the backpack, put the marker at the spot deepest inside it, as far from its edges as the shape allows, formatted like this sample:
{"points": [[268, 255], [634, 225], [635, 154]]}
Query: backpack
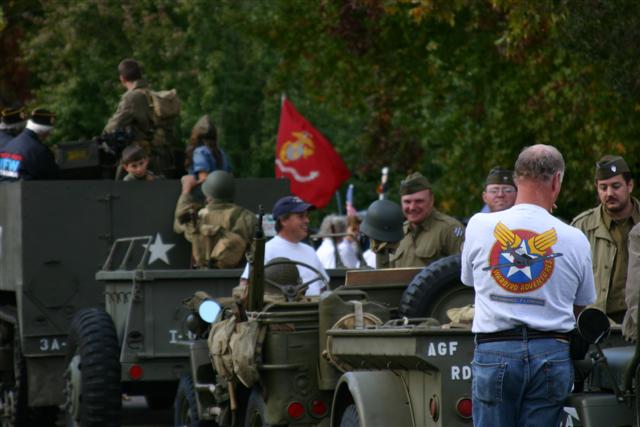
{"points": [[165, 110], [165, 105]]}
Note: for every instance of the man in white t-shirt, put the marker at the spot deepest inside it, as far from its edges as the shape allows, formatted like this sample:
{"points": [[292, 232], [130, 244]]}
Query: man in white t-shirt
{"points": [[532, 275], [292, 226]]}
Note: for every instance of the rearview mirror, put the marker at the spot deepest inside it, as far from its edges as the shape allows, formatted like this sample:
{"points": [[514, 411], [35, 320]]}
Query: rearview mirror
{"points": [[209, 311], [593, 325]]}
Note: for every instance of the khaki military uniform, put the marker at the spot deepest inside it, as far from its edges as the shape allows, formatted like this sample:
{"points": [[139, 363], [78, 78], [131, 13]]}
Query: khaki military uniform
{"points": [[438, 236], [608, 240], [133, 114], [220, 233], [632, 288]]}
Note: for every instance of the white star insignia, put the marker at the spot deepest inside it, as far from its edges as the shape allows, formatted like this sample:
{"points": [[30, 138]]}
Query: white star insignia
{"points": [[158, 250], [526, 270]]}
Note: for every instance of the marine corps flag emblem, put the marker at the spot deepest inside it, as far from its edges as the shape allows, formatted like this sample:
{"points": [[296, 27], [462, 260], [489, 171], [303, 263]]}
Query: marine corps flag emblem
{"points": [[307, 159]]}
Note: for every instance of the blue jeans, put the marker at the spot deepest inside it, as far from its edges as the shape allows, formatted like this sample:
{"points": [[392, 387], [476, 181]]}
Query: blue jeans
{"points": [[520, 383]]}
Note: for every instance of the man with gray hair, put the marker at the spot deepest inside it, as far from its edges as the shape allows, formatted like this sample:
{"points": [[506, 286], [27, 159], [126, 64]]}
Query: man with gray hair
{"points": [[25, 156], [532, 275]]}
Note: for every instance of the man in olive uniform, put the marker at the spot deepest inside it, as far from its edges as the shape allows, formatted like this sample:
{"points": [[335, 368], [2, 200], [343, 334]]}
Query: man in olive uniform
{"points": [[12, 121], [607, 227], [135, 116], [220, 233], [499, 190], [428, 233]]}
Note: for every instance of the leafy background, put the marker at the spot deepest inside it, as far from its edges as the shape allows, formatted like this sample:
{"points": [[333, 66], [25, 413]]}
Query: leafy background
{"points": [[450, 88]]}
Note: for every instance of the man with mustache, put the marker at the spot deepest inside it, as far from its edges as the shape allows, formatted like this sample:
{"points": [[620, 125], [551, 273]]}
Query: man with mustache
{"points": [[607, 227]]}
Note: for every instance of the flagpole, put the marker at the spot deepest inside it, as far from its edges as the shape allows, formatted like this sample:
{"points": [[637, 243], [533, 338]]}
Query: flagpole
{"points": [[338, 202]]}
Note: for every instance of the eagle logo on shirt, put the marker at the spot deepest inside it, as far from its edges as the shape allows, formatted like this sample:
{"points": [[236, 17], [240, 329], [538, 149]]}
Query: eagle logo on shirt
{"points": [[522, 261]]}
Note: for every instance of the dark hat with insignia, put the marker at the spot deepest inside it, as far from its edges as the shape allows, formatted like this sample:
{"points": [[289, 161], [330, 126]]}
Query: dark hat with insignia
{"points": [[610, 166], [43, 117], [500, 176], [414, 183], [133, 153], [12, 117]]}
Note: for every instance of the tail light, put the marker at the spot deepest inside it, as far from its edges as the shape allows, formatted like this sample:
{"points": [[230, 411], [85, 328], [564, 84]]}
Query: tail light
{"points": [[135, 372], [319, 408], [295, 410], [434, 408], [464, 408]]}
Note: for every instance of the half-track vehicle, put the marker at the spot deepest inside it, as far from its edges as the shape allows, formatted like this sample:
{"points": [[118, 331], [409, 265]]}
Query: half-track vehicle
{"points": [[54, 236]]}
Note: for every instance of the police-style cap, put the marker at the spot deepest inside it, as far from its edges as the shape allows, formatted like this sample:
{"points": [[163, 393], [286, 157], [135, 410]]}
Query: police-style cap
{"points": [[500, 176], [43, 117], [12, 117], [133, 153], [289, 204], [414, 183], [610, 166]]}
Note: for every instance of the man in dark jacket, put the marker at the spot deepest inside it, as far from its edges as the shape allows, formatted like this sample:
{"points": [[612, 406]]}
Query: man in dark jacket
{"points": [[25, 156]]}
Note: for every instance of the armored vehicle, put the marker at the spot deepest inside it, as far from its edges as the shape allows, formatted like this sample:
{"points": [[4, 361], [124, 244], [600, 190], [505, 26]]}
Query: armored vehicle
{"points": [[54, 236]]}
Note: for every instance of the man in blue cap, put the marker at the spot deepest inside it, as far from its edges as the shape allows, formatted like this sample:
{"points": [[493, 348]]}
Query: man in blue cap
{"points": [[292, 226]]}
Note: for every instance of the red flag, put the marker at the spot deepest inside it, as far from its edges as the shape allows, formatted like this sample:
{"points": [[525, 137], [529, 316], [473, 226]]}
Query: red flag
{"points": [[307, 159]]}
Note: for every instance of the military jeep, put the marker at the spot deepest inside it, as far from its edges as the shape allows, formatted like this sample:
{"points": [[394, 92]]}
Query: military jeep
{"points": [[293, 374]]}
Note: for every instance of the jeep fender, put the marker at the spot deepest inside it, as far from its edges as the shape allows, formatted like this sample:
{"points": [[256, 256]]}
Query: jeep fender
{"points": [[380, 397]]}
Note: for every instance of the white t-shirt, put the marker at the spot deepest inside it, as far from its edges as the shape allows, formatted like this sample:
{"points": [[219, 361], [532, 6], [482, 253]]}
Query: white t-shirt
{"points": [[527, 267], [370, 258], [279, 247], [326, 254]]}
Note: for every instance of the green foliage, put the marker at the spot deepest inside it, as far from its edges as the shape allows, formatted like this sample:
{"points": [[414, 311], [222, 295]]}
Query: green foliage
{"points": [[449, 88]]}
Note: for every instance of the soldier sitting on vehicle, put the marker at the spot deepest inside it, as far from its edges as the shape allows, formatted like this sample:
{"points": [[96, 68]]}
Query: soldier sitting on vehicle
{"points": [[220, 232], [383, 226]]}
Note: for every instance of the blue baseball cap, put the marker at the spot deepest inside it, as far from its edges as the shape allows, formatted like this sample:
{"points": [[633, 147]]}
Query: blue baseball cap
{"points": [[289, 204]]}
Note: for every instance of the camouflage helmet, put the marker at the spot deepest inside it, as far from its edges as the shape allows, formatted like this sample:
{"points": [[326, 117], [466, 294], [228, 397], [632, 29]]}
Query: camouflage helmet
{"points": [[282, 274], [383, 221], [219, 186], [204, 128]]}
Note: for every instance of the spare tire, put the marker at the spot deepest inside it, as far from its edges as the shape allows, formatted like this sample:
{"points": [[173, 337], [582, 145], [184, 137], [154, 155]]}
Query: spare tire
{"points": [[436, 289]]}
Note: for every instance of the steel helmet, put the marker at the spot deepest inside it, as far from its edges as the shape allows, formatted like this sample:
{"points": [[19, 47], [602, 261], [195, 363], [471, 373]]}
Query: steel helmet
{"points": [[219, 185], [383, 221]]}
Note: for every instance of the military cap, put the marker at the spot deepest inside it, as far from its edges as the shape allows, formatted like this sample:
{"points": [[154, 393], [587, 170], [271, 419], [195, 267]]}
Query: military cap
{"points": [[133, 153], [12, 117], [498, 175], [414, 183], [43, 117], [610, 166]]}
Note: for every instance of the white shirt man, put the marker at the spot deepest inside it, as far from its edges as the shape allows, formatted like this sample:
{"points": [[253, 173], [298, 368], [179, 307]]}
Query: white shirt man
{"points": [[292, 227]]}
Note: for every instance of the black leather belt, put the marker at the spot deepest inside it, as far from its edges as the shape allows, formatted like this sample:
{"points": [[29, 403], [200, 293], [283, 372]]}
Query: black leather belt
{"points": [[519, 334]]}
